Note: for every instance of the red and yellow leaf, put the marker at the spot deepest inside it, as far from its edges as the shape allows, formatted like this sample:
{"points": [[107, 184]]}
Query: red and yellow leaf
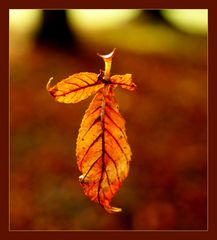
{"points": [[103, 153], [125, 81], [75, 88]]}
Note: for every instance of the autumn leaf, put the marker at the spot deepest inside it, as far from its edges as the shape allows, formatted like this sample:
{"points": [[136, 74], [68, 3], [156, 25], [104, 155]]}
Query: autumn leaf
{"points": [[125, 81], [103, 153], [75, 88], [102, 150]]}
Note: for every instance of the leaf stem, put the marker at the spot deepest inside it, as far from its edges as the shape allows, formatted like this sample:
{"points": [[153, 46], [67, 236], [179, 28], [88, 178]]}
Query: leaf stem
{"points": [[108, 62]]}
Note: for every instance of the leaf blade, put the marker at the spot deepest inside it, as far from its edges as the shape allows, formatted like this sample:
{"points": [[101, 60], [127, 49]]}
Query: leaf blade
{"points": [[75, 88], [125, 81], [103, 153]]}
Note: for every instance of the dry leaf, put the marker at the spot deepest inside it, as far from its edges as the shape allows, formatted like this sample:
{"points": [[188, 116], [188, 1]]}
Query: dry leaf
{"points": [[125, 81], [75, 88], [103, 153]]}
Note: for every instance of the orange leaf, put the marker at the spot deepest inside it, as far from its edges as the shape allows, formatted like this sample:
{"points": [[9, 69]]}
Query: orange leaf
{"points": [[75, 88], [103, 153], [125, 81]]}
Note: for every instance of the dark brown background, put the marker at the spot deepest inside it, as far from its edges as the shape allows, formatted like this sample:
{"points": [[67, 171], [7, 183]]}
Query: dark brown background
{"points": [[67, 137]]}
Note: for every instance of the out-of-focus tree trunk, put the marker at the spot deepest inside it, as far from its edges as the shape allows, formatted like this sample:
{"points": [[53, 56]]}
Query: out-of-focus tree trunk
{"points": [[153, 16], [55, 30]]}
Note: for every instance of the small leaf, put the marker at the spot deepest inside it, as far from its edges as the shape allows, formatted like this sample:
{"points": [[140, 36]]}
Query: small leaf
{"points": [[103, 153], [75, 88], [125, 81]]}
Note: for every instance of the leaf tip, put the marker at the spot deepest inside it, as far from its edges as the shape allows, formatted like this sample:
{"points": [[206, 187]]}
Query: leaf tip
{"points": [[134, 86], [48, 84], [110, 209]]}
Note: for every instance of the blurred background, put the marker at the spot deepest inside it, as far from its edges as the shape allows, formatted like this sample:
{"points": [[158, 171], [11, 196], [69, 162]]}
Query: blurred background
{"points": [[166, 117]]}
